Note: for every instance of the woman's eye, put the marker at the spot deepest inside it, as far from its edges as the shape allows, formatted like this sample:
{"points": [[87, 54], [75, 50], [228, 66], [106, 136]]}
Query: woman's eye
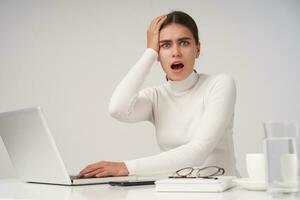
{"points": [[165, 45], [184, 43]]}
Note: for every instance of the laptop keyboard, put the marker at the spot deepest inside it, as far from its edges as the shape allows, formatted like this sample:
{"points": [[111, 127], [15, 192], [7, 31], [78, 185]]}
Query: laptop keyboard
{"points": [[73, 177]]}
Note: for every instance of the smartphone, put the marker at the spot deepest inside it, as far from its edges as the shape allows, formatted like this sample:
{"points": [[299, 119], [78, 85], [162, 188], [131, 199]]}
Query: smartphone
{"points": [[130, 183]]}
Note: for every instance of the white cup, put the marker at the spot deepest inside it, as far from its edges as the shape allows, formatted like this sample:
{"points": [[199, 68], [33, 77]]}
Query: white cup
{"points": [[289, 167], [256, 166]]}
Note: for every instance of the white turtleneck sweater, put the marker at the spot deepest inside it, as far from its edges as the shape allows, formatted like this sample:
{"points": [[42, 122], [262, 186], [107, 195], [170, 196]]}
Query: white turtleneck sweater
{"points": [[193, 118]]}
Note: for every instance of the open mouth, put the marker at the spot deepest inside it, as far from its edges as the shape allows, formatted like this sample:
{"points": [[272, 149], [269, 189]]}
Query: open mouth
{"points": [[177, 66]]}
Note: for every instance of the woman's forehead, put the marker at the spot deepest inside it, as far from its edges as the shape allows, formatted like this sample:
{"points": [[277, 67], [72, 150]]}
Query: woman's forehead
{"points": [[175, 31]]}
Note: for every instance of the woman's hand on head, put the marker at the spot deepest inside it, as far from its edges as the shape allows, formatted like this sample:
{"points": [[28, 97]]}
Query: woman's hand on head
{"points": [[153, 32], [104, 169]]}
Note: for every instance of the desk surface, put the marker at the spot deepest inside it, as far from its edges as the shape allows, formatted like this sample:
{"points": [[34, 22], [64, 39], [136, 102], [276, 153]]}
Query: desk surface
{"points": [[14, 189]]}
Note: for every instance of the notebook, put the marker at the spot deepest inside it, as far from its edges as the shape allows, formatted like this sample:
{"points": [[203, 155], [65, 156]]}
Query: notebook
{"points": [[194, 184], [33, 151]]}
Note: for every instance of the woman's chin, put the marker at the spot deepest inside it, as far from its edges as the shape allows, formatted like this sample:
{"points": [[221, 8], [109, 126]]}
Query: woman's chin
{"points": [[177, 75]]}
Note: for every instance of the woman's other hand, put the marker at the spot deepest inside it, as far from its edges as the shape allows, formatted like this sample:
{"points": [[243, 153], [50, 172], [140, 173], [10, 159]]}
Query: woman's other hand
{"points": [[153, 32], [104, 169]]}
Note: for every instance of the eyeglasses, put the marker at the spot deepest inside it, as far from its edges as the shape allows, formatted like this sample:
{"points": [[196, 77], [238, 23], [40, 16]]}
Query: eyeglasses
{"points": [[193, 172]]}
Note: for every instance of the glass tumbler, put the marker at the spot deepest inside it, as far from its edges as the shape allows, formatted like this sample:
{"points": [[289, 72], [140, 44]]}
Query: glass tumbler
{"points": [[281, 148]]}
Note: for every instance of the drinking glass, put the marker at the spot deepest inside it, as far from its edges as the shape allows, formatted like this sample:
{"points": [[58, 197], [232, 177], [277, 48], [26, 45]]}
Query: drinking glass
{"points": [[281, 146]]}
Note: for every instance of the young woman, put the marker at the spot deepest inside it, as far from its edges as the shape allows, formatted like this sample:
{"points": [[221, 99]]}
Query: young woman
{"points": [[192, 113]]}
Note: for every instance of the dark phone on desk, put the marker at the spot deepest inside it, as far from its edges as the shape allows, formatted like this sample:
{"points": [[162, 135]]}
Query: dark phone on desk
{"points": [[130, 183]]}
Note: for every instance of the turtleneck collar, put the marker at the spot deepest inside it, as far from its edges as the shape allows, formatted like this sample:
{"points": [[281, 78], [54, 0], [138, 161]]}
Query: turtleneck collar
{"points": [[179, 87]]}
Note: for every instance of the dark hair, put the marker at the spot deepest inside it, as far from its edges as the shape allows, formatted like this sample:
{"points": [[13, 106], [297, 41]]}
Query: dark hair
{"points": [[179, 17]]}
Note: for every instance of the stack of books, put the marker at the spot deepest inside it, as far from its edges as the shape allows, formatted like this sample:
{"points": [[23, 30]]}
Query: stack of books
{"points": [[194, 184]]}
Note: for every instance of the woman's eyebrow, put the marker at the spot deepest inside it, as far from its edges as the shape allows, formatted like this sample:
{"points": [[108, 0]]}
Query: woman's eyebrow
{"points": [[164, 41], [184, 38], [180, 39]]}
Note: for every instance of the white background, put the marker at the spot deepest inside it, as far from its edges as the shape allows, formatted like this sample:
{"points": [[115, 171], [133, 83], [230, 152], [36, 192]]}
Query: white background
{"points": [[68, 56]]}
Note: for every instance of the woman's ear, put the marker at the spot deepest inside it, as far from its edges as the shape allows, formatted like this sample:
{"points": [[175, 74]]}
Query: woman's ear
{"points": [[198, 50]]}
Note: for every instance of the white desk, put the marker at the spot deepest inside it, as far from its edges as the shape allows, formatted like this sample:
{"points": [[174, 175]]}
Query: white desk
{"points": [[14, 189]]}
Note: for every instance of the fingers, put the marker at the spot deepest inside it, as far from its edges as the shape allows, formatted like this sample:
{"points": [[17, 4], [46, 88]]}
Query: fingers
{"points": [[161, 20], [87, 171], [153, 32], [157, 19], [104, 169], [103, 174], [94, 173], [156, 22]]}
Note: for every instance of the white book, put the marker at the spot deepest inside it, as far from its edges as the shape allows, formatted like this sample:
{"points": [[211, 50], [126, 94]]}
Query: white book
{"points": [[194, 184]]}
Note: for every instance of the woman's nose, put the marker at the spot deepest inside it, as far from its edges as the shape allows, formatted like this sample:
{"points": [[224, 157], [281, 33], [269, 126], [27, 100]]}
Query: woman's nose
{"points": [[176, 51]]}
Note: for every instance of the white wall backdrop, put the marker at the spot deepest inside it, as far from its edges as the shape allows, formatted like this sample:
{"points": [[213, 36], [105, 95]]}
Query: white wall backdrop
{"points": [[68, 56]]}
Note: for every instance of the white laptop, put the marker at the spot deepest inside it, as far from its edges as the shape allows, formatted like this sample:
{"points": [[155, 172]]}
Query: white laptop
{"points": [[33, 152]]}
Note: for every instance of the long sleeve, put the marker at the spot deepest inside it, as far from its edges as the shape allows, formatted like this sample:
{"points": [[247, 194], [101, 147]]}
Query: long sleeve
{"points": [[128, 103], [218, 114]]}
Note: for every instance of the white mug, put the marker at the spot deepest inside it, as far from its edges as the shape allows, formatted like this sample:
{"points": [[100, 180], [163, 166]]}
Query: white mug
{"points": [[256, 166]]}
